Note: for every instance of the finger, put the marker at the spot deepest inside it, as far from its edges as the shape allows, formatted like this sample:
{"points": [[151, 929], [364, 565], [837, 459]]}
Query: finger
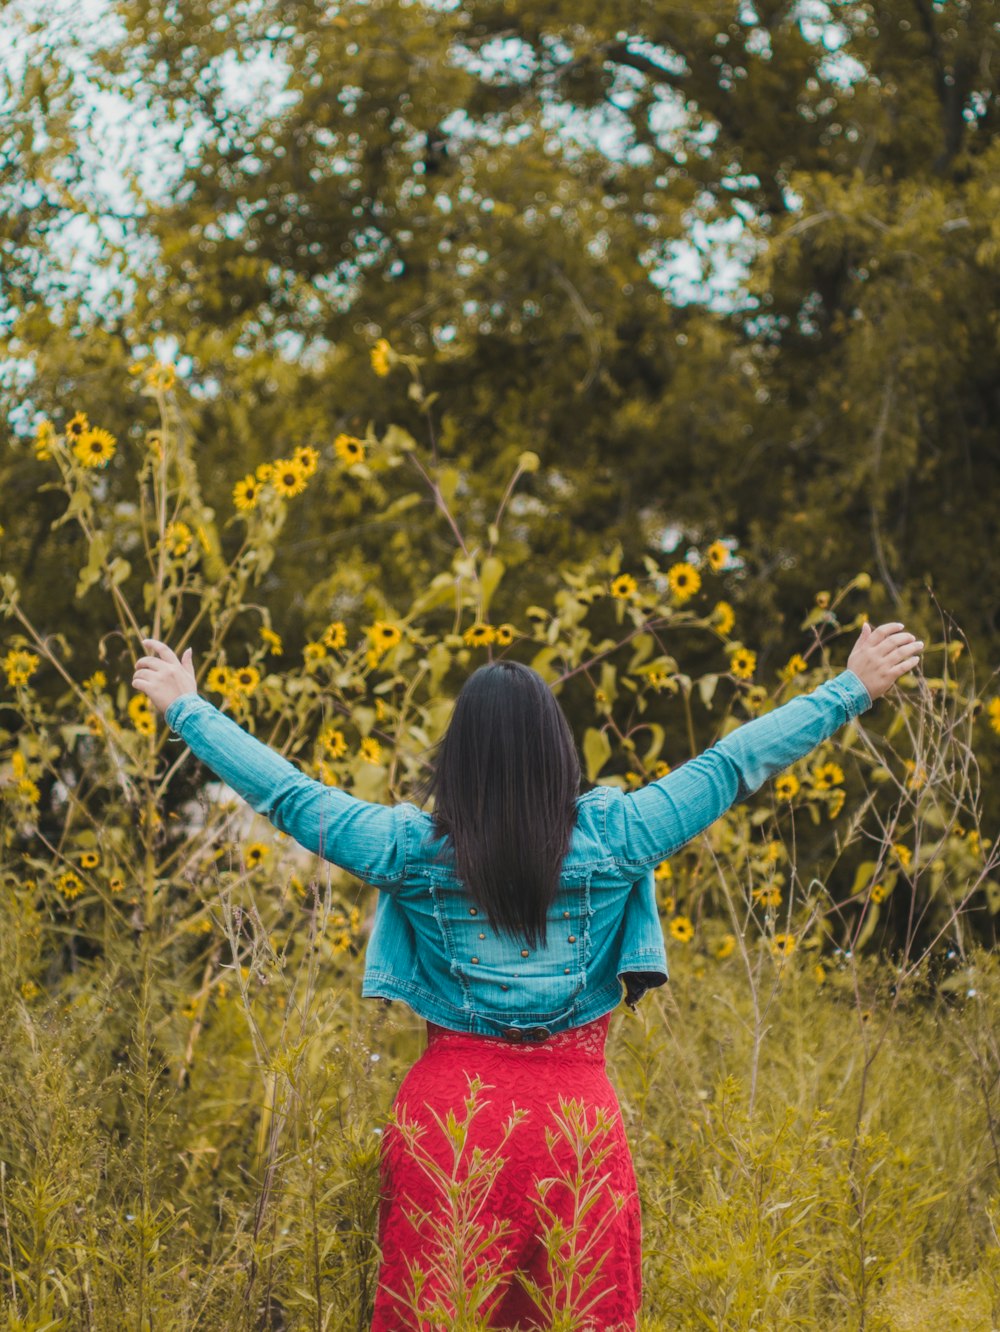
{"points": [[884, 630], [149, 664], [906, 648], [188, 660], [902, 638], [905, 666], [161, 649]]}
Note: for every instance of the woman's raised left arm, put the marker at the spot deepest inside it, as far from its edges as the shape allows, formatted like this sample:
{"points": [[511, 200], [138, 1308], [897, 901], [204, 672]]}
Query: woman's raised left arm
{"points": [[365, 838]]}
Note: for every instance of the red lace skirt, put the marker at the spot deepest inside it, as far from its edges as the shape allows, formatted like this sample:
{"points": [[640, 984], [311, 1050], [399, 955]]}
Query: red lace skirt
{"points": [[508, 1189]]}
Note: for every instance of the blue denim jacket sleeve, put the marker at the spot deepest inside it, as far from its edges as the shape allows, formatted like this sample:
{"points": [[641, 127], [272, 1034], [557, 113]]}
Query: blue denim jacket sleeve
{"points": [[648, 825], [365, 838]]}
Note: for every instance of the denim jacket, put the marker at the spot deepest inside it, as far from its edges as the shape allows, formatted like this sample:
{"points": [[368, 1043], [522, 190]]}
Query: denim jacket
{"points": [[432, 947]]}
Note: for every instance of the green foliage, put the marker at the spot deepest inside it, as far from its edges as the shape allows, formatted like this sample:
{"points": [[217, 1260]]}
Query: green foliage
{"points": [[192, 1085], [187, 1128]]}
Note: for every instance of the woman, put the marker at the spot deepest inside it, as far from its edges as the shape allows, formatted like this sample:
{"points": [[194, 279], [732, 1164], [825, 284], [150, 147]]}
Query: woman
{"points": [[509, 920]]}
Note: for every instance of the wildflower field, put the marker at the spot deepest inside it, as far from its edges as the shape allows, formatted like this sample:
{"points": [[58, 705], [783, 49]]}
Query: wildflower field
{"points": [[193, 1091], [354, 345]]}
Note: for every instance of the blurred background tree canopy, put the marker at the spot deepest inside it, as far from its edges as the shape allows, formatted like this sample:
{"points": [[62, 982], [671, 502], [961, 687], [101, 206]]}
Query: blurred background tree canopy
{"points": [[732, 270]]}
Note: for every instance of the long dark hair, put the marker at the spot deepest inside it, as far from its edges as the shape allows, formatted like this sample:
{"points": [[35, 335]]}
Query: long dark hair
{"points": [[505, 776]]}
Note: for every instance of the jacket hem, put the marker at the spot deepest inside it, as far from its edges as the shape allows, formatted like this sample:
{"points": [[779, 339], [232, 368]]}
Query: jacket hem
{"points": [[379, 985]]}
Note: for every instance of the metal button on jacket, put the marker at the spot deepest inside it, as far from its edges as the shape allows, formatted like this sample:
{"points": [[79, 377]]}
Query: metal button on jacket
{"points": [[518, 1034]]}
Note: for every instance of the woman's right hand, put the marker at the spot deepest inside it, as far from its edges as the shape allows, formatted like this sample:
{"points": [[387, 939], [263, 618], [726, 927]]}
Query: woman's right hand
{"points": [[882, 655]]}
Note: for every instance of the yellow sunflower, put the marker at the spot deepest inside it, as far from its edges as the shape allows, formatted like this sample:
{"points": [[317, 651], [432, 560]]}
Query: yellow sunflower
{"points": [[333, 741], [795, 665], [717, 555], [76, 426], [786, 786], [504, 635], [217, 680], [371, 750], [20, 666], [264, 472], [273, 641], [993, 712], [335, 635], [246, 493], [903, 854], [178, 539], [479, 634], [724, 617], [45, 440], [880, 892], [663, 871], [116, 883], [89, 860], [314, 652], [783, 945], [660, 769], [827, 775], [160, 376], [349, 449], [289, 478], [726, 947], [768, 896], [682, 929], [95, 448], [244, 679], [255, 854], [307, 457], [684, 580], [836, 802], [381, 355], [624, 587], [70, 885], [384, 635], [743, 663], [140, 714]]}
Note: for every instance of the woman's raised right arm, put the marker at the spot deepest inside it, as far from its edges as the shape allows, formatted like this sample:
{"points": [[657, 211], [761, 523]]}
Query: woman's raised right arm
{"points": [[646, 826], [367, 839]]}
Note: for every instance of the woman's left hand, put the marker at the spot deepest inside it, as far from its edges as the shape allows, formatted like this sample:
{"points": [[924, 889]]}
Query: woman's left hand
{"points": [[165, 676]]}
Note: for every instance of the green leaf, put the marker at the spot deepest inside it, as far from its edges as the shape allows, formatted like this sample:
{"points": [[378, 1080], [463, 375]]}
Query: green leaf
{"points": [[542, 663], [868, 928], [609, 680], [447, 480], [596, 751], [863, 876], [118, 570], [92, 570], [706, 688], [656, 743], [489, 576], [440, 590], [438, 659], [643, 645]]}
